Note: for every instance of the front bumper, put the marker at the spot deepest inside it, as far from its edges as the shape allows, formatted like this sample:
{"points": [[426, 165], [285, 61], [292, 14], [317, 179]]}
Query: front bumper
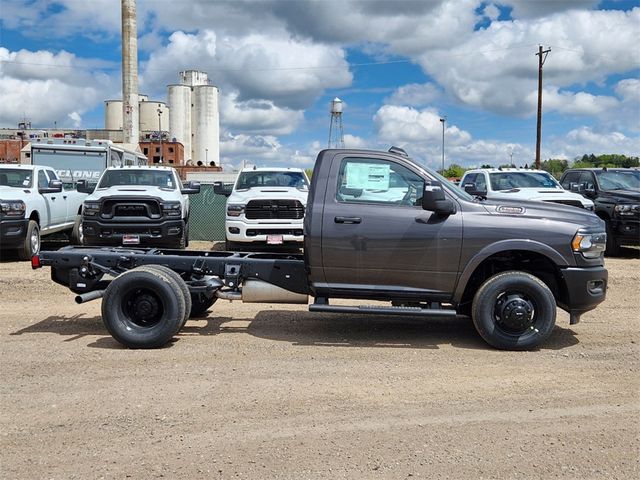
{"points": [[238, 231], [626, 232], [153, 234], [13, 232], [585, 289]]}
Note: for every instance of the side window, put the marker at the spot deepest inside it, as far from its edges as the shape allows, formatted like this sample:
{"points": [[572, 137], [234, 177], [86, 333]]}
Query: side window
{"points": [[586, 178], [368, 180], [52, 175], [42, 180], [470, 178], [481, 182], [571, 177]]}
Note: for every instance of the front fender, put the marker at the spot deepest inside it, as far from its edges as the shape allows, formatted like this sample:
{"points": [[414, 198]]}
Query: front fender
{"points": [[504, 246]]}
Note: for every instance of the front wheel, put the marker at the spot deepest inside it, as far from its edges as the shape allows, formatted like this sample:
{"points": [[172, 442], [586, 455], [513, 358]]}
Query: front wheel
{"points": [[613, 248], [31, 244], [514, 311]]}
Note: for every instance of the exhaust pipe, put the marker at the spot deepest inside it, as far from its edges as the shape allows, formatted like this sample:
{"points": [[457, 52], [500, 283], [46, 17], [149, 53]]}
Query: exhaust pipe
{"points": [[228, 295], [257, 291], [87, 297]]}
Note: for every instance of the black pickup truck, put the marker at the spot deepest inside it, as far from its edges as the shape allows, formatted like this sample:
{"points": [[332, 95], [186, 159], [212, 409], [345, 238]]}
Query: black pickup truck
{"points": [[616, 195], [378, 227]]}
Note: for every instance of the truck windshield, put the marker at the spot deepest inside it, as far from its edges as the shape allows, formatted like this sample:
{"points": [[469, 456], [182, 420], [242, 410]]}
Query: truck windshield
{"points": [[16, 177], [247, 180], [619, 179], [132, 177], [511, 180]]}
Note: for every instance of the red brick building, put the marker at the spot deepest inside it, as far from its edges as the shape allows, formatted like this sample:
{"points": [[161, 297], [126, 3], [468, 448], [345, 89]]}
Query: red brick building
{"points": [[10, 150], [172, 152]]}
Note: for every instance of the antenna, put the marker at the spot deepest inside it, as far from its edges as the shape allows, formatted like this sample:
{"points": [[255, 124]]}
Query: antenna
{"points": [[336, 132]]}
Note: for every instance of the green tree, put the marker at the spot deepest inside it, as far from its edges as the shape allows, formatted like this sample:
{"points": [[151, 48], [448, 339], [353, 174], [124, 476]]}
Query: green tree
{"points": [[554, 166], [454, 171], [309, 172]]}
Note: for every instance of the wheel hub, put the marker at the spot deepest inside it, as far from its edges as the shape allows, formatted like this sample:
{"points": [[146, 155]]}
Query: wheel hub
{"points": [[145, 308], [515, 312]]}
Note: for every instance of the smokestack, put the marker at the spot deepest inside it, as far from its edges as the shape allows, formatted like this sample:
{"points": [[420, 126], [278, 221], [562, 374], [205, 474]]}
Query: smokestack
{"points": [[130, 115]]}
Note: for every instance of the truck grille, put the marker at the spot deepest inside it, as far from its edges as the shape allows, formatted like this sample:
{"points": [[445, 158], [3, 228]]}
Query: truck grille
{"points": [[572, 203], [149, 208], [274, 209]]}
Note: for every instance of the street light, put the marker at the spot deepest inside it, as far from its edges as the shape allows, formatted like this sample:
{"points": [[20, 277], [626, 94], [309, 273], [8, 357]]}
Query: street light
{"points": [[160, 131], [443, 120], [206, 156]]}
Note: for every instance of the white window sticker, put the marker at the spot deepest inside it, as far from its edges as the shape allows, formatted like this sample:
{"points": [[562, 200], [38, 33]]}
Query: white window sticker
{"points": [[368, 176]]}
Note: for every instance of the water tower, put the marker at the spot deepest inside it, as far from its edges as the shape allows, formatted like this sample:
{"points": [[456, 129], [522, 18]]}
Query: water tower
{"points": [[336, 133]]}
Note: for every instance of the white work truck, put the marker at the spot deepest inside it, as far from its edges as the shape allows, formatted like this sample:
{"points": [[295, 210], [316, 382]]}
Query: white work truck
{"points": [[265, 207], [143, 205], [33, 203]]}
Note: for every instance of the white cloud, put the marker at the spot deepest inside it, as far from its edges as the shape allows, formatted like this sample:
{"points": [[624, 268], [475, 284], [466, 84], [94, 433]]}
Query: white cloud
{"points": [[580, 103], [289, 72], [257, 116], [586, 140], [46, 88], [415, 95]]}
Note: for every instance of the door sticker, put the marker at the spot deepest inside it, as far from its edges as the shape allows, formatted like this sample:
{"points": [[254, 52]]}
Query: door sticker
{"points": [[368, 176]]}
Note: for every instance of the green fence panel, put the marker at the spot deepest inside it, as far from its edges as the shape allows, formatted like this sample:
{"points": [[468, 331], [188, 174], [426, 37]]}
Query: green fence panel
{"points": [[206, 220]]}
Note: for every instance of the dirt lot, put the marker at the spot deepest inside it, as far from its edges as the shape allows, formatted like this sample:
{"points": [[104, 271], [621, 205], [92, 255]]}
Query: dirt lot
{"points": [[271, 391]]}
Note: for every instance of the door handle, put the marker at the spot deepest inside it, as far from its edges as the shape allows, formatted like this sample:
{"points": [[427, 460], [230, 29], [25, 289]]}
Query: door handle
{"points": [[347, 220]]}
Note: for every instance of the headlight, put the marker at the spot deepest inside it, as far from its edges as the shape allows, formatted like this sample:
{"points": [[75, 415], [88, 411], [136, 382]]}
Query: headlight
{"points": [[172, 209], [235, 210], [90, 209], [590, 245], [627, 210], [12, 208]]}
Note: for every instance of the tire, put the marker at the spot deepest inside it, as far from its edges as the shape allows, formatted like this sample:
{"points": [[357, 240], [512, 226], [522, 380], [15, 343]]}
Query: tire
{"points": [[143, 308], [77, 238], [186, 229], [181, 285], [514, 311], [31, 244], [200, 303], [613, 249]]}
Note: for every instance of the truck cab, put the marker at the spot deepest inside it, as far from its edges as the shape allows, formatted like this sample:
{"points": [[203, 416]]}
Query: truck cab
{"points": [[265, 208], [33, 204]]}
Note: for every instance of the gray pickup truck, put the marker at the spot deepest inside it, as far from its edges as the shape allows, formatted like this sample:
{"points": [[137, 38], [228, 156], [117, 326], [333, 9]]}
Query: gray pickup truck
{"points": [[378, 226]]}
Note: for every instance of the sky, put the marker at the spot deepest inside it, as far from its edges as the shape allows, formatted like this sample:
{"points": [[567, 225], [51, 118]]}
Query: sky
{"points": [[398, 66]]}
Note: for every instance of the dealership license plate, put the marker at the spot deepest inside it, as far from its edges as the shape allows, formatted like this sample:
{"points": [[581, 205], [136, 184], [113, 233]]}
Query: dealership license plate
{"points": [[131, 239], [274, 240]]}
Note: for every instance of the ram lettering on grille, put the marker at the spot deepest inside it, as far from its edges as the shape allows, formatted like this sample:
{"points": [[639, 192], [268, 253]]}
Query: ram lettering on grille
{"points": [[274, 209]]}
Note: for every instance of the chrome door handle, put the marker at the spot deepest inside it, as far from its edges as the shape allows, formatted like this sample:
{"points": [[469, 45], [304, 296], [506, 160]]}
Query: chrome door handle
{"points": [[347, 220]]}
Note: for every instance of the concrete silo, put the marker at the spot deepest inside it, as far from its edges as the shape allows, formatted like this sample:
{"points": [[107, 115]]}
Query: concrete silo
{"points": [[180, 118], [205, 121], [154, 116], [113, 114], [195, 118]]}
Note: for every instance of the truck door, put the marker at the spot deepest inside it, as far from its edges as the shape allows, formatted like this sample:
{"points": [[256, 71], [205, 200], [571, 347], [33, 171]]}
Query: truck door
{"points": [[376, 236], [47, 216]]}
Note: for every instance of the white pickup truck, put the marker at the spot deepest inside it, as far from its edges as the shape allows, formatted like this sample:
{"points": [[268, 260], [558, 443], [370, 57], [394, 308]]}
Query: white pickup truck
{"points": [[33, 203], [137, 205], [520, 184], [265, 207]]}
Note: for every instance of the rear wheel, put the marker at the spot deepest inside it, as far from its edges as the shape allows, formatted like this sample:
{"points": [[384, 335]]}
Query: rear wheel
{"points": [[143, 308], [514, 311], [77, 238], [31, 244], [179, 282]]}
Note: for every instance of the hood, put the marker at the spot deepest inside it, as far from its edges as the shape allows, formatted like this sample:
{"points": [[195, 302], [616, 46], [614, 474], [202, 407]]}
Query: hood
{"points": [[627, 196], [546, 211], [13, 193], [134, 191], [267, 193]]}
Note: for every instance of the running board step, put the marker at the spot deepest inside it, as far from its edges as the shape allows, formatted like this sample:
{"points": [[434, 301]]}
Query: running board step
{"points": [[378, 310]]}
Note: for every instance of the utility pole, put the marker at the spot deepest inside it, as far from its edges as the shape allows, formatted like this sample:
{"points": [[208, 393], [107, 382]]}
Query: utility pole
{"points": [[160, 132], [542, 56], [443, 120]]}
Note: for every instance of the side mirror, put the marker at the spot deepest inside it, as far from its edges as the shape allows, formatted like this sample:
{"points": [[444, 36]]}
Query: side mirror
{"points": [[221, 189], [434, 199], [471, 189], [577, 187], [55, 186], [83, 186], [190, 188]]}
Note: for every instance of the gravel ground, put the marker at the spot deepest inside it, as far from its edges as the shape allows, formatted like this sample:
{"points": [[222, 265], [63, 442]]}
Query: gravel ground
{"points": [[273, 391]]}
